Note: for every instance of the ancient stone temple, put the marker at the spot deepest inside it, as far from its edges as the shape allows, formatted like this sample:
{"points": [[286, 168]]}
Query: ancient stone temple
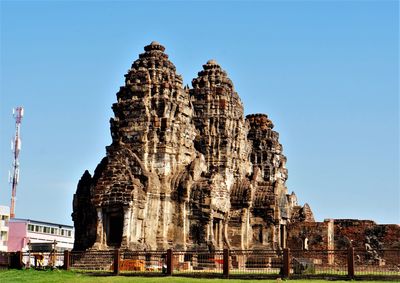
{"points": [[185, 169]]}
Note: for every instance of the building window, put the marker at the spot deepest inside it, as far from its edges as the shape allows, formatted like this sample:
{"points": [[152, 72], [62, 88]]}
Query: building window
{"points": [[39, 228], [30, 227], [3, 236], [69, 233]]}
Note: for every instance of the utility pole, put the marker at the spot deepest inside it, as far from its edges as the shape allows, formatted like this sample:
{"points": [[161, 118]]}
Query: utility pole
{"points": [[18, 113]]}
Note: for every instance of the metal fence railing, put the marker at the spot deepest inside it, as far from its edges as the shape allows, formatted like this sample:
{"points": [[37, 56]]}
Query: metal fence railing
{"points": [[42, 259], [197, 262], [4, 260], [377, 262], [319, 262], [255, 262], [142, 261], [344, 264]]}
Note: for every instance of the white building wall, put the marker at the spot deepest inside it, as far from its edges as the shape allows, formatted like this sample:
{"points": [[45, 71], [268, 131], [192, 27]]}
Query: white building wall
{"points": [[63, 243], [4, 218], [45, 232]]}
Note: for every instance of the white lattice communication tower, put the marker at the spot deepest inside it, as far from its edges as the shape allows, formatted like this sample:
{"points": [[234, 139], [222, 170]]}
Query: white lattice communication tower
{"points": [[16, 148]]}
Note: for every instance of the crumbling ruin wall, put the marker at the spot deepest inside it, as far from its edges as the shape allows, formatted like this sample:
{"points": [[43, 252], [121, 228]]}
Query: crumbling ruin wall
{"points": [[351, 232], [314, 236], [366, 234], [311, 235], [342, 234], [373, 243]]}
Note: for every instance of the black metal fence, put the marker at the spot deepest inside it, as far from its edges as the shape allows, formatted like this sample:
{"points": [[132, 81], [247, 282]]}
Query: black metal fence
{"points": [[4, 260], [42, 259], [377, 262], [142, 261], [255, 262], [335, 264], [197, 262], [319, 263]]}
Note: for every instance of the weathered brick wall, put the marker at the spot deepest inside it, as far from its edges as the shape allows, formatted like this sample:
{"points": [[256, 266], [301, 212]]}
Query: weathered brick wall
{"points": [[362, 232], [316, 233], [313, 240], [373, 243]]}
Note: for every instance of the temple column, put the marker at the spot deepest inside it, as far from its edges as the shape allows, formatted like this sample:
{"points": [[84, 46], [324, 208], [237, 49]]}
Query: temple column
{"points": [[272, 238], [220, 233], [133, 224], [126, 227], [166, 219], [180, 229], [211, 229], [246, 229], [185, 224], [99, 230], [225, 234], [277, 236]]}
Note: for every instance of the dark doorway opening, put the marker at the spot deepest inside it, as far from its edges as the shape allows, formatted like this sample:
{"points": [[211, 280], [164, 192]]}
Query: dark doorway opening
{"points": [[115, 227], [283, 236], [260, 235]]}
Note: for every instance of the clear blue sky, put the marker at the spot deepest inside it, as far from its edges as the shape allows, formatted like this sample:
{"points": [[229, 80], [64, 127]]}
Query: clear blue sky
{"points": [[326, 72]]}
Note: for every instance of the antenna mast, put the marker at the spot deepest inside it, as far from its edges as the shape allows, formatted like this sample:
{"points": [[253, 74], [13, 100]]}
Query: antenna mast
{"points": [[18, 113]]}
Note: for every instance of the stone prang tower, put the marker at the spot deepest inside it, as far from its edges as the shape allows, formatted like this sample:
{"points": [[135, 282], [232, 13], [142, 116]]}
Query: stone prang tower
{"points": [[185, 168]]}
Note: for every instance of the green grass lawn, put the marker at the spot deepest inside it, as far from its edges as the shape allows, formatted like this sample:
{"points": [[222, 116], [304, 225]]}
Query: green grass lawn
{"points": [[73, 276]]}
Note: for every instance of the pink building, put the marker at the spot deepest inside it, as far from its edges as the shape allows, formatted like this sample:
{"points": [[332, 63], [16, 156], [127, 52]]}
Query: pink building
{"points": [[25, 231]]}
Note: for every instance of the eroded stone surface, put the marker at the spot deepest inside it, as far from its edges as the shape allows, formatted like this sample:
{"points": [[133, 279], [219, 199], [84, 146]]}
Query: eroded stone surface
{"points": [[185, 168]]}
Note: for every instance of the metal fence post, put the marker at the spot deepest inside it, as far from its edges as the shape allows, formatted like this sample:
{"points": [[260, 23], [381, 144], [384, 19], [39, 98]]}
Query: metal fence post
{"points": [[116, 261], [170, 262], [286, 263], [66, 259], [350, 262], [226, 262]]}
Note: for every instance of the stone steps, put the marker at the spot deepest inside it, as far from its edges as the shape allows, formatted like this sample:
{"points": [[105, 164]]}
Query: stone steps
{"points": [[93, 261]]}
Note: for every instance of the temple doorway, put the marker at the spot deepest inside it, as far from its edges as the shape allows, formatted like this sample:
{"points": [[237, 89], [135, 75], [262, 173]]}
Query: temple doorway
{"points": [[217, 230], [114, 227], [283, 236]]}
